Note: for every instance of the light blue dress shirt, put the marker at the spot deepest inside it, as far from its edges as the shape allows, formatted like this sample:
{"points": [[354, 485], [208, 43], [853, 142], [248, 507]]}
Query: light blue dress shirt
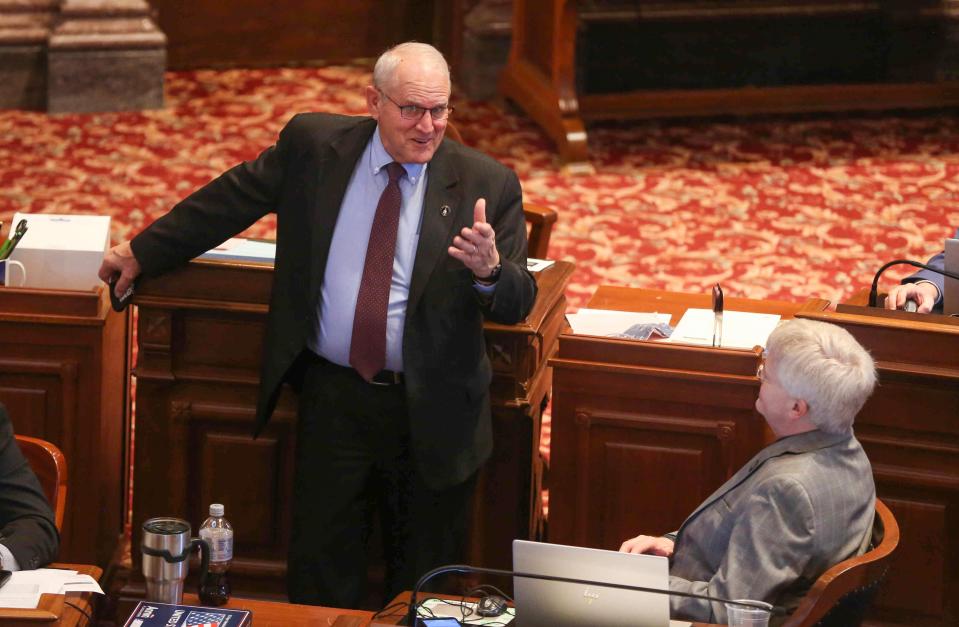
{"points": [[344, 268]]}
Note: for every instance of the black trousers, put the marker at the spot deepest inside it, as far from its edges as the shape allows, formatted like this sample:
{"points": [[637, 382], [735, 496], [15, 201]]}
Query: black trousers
{"points": [[353, 458]]}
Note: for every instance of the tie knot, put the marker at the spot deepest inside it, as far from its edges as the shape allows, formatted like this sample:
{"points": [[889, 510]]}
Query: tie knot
{"points": [[396, 171]]}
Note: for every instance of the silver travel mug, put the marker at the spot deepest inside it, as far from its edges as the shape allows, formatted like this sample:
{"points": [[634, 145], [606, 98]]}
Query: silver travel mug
{"points": [[166, 549]]}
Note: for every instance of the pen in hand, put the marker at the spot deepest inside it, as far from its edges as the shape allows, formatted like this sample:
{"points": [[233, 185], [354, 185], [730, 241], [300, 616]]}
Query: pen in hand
{"points": [[717, 315]]}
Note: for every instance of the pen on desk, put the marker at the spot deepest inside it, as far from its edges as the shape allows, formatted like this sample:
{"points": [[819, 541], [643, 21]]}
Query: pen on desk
{"points": [[717, 315], [13, 239]]}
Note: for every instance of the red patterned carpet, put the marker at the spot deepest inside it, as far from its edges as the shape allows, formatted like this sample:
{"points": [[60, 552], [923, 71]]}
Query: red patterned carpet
{"points": [[772, 207], [778, 208]]}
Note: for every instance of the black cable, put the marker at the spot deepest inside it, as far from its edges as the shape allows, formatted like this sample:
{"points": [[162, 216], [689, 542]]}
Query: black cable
{"points": [[382, 613], [81, 610]]}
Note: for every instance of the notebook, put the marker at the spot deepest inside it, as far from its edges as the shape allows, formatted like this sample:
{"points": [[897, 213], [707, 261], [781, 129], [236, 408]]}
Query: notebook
{"points": [[541, 603]]}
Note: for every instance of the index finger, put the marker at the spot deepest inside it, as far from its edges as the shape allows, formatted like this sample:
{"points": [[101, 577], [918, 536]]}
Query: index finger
{"points": [[479, 211]]}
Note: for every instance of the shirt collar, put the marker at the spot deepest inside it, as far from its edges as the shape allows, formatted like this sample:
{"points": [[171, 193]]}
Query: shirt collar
{"points": [[379, 159]]}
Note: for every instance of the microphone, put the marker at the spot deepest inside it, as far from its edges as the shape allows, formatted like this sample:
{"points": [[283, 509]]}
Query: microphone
{"points": [[474, 570], [874, 291]]}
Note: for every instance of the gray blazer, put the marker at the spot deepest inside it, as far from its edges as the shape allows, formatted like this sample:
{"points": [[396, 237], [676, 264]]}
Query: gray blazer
{"points": [[801, 505]]}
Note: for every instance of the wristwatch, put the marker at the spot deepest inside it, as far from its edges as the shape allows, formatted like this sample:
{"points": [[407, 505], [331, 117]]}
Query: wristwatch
{"points": [[493, 276]]}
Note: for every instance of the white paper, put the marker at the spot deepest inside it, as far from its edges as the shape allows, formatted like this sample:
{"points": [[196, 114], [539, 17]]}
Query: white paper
{"points": [[741, 329], [49, 231], [606, 322], [537, 265], [24, 587], [242, 249]]}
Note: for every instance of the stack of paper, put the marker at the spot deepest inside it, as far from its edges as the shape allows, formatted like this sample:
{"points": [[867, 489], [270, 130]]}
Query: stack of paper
{"points": [[24, 587], [242, 249], [741, 329], [606, 322]]}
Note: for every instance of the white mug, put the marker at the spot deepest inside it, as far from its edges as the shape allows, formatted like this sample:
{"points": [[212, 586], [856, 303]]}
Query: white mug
{"points": [[5, 266]]}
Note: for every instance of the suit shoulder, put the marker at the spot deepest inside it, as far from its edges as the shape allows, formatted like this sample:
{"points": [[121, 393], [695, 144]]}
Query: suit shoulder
{"points": [[320, 127], [472, 159]]}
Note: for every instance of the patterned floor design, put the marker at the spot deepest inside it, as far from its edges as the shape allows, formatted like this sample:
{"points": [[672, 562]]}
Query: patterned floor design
{"points": [[770, 207]]}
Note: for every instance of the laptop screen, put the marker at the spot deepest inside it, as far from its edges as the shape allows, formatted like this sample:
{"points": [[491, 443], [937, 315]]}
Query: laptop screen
{"points": [[560, 604]]}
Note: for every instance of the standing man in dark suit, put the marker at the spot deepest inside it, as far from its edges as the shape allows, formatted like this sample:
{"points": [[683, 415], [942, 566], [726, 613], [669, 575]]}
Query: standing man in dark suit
{"points": [[28, 534], [394, 406]]}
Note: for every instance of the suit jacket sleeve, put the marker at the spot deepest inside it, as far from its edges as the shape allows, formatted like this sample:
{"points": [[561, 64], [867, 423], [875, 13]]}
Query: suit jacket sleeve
{"points": [[515, 291], [215, 212], [773, 536], [938, 261], [28, 527]]}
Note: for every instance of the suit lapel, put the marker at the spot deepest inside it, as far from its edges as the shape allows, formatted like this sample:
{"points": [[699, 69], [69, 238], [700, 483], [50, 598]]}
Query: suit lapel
{"points": [[436, 231], [334, 171]]}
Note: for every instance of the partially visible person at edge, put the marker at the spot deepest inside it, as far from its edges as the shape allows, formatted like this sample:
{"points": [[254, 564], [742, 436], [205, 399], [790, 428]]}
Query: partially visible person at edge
{"points": [[800, 505], [396, 418], [925, 287], [28, 533]]}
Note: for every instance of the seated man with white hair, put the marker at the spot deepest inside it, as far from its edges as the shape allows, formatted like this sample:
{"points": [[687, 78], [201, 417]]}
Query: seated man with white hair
{"points": [[803, 503]]}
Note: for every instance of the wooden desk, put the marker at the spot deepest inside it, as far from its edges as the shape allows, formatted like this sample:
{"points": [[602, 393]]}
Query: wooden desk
{"points": [[397, 617], [200, 336], [644, 431], [64, 377], [53, 609], [278, 614], [548, 74], [910, 431]]}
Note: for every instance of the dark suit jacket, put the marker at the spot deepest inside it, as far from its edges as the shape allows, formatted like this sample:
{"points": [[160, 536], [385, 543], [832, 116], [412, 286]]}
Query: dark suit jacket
{"points": [[28, 527], [303, 178], [937, 261]]}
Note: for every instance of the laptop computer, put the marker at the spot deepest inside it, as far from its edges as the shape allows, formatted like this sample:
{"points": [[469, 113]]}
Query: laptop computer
{"points": [[541, 603], [950, 295]]}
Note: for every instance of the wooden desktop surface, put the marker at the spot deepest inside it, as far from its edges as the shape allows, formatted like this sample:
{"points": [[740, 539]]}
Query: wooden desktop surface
{"points": [[279, 614], [395, 617]]}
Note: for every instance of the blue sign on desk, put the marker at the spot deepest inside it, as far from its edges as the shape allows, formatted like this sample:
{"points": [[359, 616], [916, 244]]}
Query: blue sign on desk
{"points": [[148, 614]]}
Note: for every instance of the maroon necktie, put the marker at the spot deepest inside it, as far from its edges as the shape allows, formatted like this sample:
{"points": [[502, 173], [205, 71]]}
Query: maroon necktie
{"points": [[368, 344]]}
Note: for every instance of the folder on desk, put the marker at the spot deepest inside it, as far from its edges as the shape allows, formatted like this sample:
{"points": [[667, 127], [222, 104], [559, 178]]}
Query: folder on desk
{"points": [[150, 614]]}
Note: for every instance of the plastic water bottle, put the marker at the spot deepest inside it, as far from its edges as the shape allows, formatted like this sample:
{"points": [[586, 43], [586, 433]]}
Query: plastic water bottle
{"points": [[215, 587]]}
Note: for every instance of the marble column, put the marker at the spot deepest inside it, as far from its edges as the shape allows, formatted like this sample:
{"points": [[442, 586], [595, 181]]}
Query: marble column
{"points": [[105, 55], [24, 28]]}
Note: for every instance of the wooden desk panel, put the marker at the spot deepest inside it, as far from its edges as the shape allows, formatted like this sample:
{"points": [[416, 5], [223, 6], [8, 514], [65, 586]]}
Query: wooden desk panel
{"points": [[910, 431], [64, 363], [644, 431], [200, 335], [279, 614]]}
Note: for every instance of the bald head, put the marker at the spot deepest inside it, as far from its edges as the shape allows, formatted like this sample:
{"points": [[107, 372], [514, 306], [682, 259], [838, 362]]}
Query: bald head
{"points": [[400, 59]]}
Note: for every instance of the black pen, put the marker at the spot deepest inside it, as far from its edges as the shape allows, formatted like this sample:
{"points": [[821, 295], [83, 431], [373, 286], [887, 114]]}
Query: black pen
{"points": [[717, 315]]}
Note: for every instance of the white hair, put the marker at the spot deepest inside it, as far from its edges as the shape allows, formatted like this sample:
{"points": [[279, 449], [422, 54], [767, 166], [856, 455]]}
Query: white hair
{"points": [[385, 69], [825, 366]]}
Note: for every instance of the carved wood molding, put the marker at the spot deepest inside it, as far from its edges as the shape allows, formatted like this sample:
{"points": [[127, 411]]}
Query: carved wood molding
{"points": [[68, 373]]}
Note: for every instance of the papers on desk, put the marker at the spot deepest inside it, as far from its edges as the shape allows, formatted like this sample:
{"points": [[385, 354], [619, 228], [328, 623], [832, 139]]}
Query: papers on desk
{"points": [[463, 611], [25, 587], [609, 323], [741, 329], [536, 265], [242, 249]]}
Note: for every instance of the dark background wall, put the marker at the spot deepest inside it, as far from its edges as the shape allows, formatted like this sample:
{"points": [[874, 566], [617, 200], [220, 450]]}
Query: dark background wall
{"points": [[250, 33]]}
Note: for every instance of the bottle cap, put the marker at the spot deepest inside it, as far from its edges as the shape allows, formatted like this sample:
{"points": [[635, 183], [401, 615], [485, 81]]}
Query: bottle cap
{"points": [[216, 509]]}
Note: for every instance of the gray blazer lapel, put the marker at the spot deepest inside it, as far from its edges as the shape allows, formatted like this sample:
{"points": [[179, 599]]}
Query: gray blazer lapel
{"points": [[436, 231], [333, 174]]}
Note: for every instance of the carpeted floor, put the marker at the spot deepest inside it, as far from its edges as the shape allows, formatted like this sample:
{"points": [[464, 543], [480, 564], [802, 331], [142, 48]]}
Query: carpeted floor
{"points": [[779, 207], [770, 207]]}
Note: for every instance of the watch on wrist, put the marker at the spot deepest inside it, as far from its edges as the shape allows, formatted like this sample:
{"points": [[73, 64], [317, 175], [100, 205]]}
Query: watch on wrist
{"points": [[493, 276]]}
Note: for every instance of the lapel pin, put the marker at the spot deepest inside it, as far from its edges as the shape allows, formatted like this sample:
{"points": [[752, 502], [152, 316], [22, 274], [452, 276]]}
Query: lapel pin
{"points": [[445, 210]]}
